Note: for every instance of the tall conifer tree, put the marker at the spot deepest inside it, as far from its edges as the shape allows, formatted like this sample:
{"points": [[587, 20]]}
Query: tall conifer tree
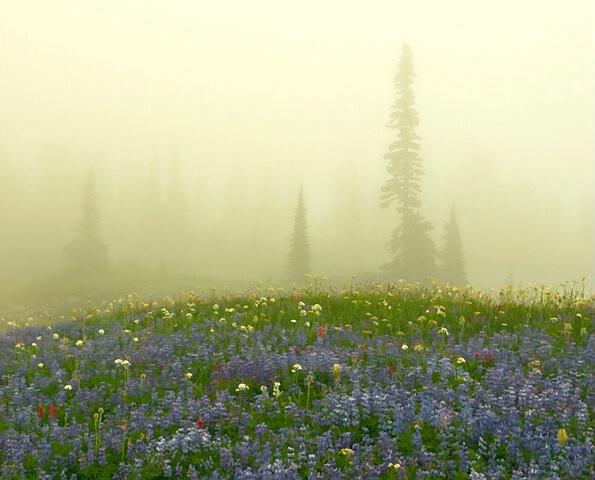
{"points": [[453, 260], [87, 253], [414, 252], [299, 259]]}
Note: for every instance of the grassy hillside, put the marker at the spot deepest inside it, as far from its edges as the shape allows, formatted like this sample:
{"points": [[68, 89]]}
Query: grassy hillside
{"points": [[360, 381], [54, 297]]}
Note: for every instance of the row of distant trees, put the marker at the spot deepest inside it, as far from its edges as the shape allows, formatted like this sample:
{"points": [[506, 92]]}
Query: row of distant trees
{"points": [[448, 263], [414, 254]]}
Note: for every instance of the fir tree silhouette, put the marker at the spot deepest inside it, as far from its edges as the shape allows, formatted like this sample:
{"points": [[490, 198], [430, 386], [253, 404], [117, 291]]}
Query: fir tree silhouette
{"points": [[299, 259], [87, 253], [414, 252], [453, 260]]}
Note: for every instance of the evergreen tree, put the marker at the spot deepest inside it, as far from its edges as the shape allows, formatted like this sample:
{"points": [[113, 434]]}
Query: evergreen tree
{"points": [[87, 253], [453, 261], [299, 258], [414, 252]]}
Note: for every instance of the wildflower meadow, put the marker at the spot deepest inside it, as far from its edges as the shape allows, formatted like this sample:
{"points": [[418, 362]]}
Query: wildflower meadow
{"points": [[390, 381]]}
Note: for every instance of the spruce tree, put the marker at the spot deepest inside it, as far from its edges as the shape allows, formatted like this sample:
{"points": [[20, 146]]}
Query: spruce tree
{"points": [[87, 253], [453, 261], [414, 252], [299, 259]]}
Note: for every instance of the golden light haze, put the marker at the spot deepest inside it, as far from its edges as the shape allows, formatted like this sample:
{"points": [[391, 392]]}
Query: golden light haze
{"points": [[256, 98]]}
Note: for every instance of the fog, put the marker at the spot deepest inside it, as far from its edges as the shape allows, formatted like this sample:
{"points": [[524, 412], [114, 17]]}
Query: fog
{"points": [[201, 120]]}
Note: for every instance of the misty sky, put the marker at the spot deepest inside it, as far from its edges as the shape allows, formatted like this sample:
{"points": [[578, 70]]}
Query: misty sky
{"points": [[296, 92]]}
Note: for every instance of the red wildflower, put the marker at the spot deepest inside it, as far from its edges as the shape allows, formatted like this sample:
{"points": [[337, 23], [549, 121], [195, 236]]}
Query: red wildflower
{"points": [[390, 371], [297, 350], [321, 332], [215, 367], [477, 356], [489, 359], [52, 413], [200, 424], [40, 412]]}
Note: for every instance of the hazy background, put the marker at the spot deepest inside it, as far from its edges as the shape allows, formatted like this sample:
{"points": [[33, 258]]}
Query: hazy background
{"points": [[202, 119]]}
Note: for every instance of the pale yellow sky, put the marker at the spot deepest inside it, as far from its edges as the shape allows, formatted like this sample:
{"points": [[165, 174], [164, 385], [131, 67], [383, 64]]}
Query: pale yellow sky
{"points": [[303, 89]]}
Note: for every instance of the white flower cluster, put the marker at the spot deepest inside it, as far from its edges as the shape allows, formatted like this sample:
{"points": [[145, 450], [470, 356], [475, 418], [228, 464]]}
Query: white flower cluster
{"points": [[124, 363], [443, 331], [276, 389]]}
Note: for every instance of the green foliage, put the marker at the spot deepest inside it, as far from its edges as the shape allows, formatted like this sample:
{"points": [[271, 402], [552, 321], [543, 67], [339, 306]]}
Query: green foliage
{"points": [[417, 330]]}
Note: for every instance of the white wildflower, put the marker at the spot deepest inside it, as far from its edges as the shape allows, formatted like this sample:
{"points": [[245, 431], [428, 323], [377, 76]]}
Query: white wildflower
{"points": [[443, 331], [276, 389]]}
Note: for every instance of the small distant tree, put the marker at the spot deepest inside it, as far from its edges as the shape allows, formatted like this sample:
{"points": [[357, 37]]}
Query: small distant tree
{"points": [[414, 252], [453, 260], [87, 253], [299, 259]]}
